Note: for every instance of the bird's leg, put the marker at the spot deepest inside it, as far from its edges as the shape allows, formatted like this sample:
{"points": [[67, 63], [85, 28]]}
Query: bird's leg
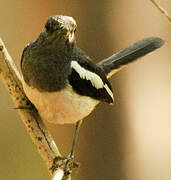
{"points": [[77, 127]]}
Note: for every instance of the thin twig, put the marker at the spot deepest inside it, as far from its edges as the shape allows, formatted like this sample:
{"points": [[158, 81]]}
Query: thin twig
{"points": [[162, 10], [30, 116]]}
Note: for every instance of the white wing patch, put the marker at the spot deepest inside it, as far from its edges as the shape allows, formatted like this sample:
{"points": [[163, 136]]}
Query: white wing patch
{"points": [[95, 79], [109, 91]]}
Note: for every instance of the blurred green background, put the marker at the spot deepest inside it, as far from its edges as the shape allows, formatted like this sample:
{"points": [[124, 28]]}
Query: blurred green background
{"points": [[127, 141]]}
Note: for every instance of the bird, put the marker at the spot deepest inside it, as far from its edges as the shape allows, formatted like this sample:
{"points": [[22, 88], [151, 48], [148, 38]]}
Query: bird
{"points": [[62, 81]]}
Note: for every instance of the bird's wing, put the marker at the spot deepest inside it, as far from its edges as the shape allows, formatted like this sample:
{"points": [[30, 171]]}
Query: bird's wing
{"points": [[88, 79]]}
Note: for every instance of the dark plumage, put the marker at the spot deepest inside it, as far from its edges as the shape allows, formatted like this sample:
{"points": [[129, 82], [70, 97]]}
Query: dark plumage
{"points": [[62, 81], [130, 54], [45, 63]]}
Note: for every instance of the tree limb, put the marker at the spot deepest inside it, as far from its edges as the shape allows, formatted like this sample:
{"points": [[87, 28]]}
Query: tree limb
{"points": [[162, 10], [30, 116]]}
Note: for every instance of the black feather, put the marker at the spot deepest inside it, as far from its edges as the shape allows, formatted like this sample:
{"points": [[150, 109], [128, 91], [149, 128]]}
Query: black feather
{"points": [[85, 88], [130, 54]]}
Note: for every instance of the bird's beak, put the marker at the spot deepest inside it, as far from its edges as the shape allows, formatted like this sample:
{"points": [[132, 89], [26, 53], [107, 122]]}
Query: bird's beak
{"points": [[71, 36]]}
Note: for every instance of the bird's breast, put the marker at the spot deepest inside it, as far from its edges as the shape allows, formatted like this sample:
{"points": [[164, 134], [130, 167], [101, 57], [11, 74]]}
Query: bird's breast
{"points": [[61, 107]]}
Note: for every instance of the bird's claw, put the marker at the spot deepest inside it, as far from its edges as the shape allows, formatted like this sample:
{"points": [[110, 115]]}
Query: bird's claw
{"points": [[65, 163]]}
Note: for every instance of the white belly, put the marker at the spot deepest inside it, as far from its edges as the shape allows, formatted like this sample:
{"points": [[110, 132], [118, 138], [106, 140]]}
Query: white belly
{"points": [[63, 107]]}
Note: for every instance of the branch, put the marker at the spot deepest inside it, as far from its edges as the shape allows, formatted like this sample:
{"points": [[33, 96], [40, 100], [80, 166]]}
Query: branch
{"points": [[30, 116], [162, 10]]}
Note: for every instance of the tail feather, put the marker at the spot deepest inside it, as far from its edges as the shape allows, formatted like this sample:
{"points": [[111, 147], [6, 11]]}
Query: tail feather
{"points": [[118, 61]]}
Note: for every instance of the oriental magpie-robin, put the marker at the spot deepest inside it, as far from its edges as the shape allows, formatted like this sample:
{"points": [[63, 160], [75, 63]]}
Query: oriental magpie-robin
{"points": [[63, 82]]}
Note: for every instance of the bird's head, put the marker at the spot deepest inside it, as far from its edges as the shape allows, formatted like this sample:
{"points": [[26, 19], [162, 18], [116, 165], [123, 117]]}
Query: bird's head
{"points": [[59, 26]]}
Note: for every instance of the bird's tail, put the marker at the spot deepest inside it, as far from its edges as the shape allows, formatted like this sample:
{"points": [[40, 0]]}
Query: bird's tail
{"points": [[117, 61]]}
